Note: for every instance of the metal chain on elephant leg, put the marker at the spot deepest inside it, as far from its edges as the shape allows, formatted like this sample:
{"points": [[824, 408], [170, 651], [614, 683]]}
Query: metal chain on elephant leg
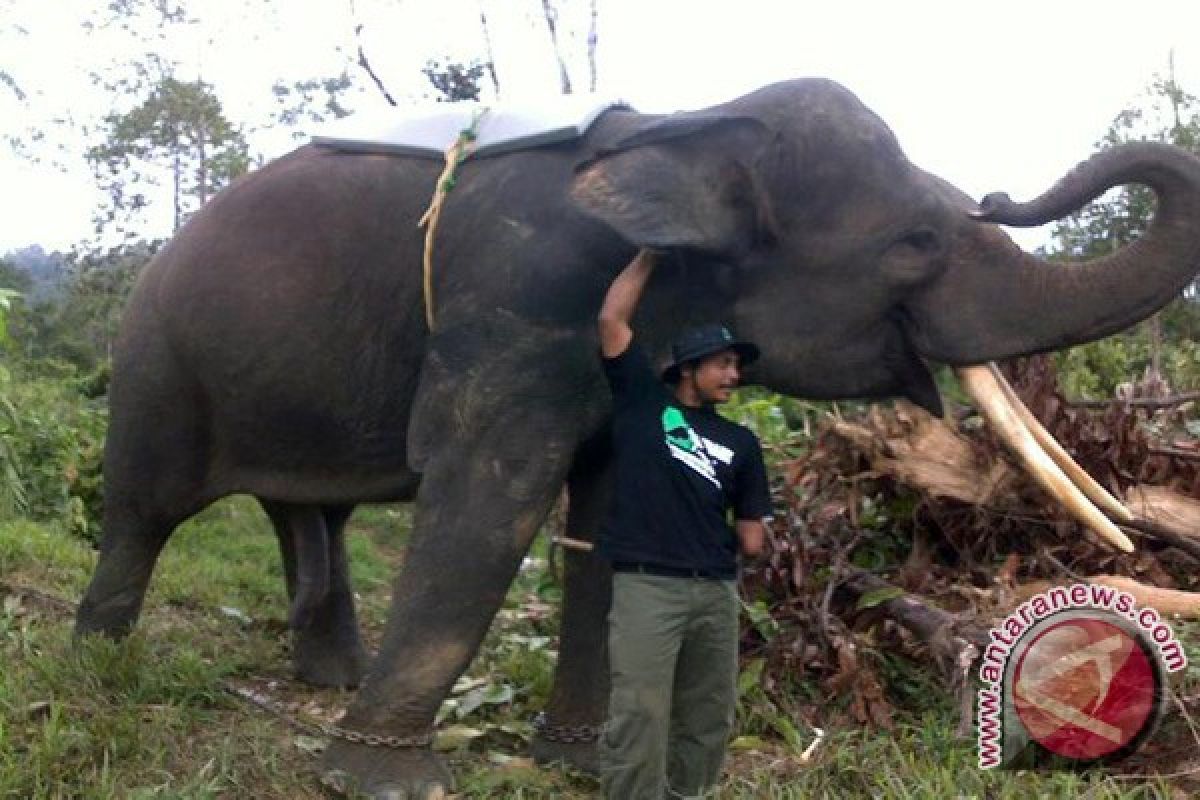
{"points": [[565, 734], [378, 740], [288, 715]]}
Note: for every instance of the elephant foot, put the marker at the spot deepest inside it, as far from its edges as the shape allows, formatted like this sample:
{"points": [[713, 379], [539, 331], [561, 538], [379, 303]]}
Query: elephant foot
{"points": [[113, 618], [382, 773], [577, 747], [93, 626], [325, 663]]}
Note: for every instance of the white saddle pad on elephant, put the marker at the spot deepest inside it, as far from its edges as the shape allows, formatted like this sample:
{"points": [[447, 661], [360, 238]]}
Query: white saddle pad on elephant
{"points": [[428, 131]]}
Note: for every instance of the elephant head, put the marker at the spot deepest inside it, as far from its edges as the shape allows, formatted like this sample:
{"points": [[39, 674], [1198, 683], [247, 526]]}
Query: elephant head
{"points": [[849, 265]]}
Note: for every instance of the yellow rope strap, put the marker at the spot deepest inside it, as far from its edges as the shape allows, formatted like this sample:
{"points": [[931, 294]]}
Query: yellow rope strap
{"points": [[463, 146]]}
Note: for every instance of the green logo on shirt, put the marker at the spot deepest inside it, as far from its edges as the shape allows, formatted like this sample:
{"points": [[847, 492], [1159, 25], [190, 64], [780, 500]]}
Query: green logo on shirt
{"points": [[685, 446], [677, 430]]}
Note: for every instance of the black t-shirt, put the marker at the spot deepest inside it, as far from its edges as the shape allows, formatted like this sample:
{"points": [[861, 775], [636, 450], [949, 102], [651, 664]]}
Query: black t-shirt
{"points": [[679, 470]]}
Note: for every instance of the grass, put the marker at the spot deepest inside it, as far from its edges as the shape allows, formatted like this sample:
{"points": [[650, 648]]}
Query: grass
{"points": [[150, 717]]}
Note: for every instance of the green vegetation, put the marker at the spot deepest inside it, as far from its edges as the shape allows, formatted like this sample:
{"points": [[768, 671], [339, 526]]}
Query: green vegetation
{"points": [[153, 716]]}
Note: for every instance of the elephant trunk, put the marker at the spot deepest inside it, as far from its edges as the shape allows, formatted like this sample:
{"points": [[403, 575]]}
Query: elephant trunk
{"points": [[1023, 304]]}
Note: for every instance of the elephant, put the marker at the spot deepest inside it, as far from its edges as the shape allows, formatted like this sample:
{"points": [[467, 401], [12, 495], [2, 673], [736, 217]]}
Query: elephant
{"points": [[278, 347]]}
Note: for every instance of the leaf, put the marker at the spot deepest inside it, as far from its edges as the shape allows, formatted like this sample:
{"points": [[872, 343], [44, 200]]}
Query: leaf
{"points": [[448, 707], [878, 596], [455, 737], [310, 744], [466, 683], [784, 727], [236, 614], [499, 694], [529, 642], [518, 731], [751, 676], [760, 616], [748, 743], [492, 694]]}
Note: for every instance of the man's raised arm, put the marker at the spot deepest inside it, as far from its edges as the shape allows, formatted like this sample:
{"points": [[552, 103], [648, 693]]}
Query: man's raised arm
{"points": [[620, 303]]}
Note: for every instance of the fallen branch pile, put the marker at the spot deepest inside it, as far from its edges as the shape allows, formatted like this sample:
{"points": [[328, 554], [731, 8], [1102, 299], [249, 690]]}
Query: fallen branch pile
{"points": [[900, 533]]}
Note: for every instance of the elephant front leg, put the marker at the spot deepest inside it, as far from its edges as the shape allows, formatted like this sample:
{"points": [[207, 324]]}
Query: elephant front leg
{"points": [[569, 729], [476, 513]]}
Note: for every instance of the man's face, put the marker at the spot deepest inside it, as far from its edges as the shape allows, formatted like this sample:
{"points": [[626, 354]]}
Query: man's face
{"points": [[714, 377]]}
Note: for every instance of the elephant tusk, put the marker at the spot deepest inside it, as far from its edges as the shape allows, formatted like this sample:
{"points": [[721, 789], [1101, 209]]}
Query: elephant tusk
{"points": [[983, 388], [1094, 491]]}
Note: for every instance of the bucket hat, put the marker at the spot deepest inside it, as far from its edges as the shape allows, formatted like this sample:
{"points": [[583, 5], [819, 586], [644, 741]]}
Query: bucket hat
{"points": [[696, 343]]}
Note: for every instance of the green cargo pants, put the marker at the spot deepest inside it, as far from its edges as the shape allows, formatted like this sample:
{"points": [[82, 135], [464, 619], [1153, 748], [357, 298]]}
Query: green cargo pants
{"points": [[672, 649]]}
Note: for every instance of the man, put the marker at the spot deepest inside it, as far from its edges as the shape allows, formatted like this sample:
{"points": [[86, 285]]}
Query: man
{"points": [[680, 469]]}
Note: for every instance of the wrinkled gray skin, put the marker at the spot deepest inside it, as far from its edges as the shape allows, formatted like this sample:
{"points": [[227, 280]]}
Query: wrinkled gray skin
{"points": [[277, 347]]}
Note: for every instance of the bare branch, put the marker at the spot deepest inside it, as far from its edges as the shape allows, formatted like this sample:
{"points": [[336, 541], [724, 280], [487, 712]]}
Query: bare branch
{"points": [[366, 64], [8, 80], [551, 15], [591, 47], [1165, 534], [487, 42], [953, 648], [1176, 452]]}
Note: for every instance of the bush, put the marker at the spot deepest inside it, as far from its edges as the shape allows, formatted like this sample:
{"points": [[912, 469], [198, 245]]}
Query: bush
{"points": [[776, 420], [1094, 370], [51, 443]]}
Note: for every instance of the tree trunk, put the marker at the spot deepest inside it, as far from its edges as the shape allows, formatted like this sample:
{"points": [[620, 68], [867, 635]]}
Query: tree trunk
{"points": [[551, 15], [176, 178], [202, 171], [591, 44], [953, 653]]}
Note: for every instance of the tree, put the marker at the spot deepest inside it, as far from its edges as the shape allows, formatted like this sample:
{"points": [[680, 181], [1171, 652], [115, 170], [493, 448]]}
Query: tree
{"points": [[43, 275], [312, 100], [454, 82], [12, 490], [14, 278], [79, 326], [7, 296], [178, 130], [89, 314]]}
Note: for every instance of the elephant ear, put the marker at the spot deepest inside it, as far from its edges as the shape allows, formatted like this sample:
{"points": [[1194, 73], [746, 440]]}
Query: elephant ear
{"points": [[685, 181]]}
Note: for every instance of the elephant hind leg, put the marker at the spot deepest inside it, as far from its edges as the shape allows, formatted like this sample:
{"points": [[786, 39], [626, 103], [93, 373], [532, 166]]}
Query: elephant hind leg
{"points": [[137, 525], [128, 553], [326, 647], [157, 473], [144, 501]]}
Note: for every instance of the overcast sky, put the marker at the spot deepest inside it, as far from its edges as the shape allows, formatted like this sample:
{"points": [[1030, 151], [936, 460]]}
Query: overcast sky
{"points": [[998, 96]]}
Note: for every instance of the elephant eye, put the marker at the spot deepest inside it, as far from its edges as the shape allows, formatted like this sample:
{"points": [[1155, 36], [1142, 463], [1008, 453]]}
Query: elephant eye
{"points": [[923, 240], [913, 258]]}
